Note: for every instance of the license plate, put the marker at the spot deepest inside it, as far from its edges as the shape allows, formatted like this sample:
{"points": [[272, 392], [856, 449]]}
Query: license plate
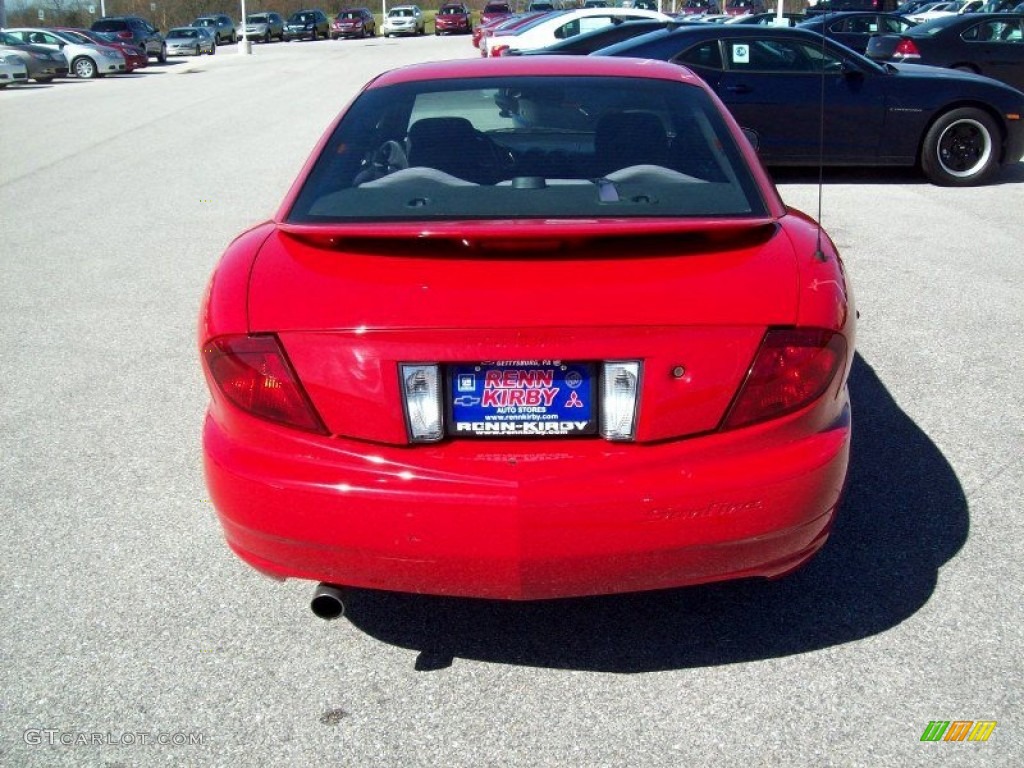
{"points": [[522, 398]]}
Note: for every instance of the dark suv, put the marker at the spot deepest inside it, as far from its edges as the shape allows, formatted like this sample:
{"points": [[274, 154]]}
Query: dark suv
{"points": [[311, 23], [136, 31]]}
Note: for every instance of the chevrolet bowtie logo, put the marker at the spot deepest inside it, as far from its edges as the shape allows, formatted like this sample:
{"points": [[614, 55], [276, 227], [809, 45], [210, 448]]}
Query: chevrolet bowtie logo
{"points": [[466, 400]]}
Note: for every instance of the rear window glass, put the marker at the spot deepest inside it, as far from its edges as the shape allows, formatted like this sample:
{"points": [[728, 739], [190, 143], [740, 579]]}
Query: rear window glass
{"points": [[546, 147], [110, 26]]}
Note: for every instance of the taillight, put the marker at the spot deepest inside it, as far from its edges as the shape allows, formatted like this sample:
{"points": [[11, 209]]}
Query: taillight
{"points": [[254, 374], [792, 368], [125, 34], [499, 50], [907, 49]]}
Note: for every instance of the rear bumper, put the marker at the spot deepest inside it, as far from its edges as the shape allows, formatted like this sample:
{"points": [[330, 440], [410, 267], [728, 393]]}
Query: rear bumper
{"points": [[530, 519]]}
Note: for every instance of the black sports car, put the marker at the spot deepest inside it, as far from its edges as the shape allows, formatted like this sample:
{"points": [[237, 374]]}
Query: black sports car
{"points": [[779, 82], [990, 44]]}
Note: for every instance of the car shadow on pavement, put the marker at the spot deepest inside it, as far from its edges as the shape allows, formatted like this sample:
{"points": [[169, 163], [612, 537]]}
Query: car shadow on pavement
{"points": [[904, 515]]}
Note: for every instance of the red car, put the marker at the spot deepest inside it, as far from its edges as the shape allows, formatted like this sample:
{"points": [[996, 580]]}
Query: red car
{"points": [[528, 328], [134, 58], [504, 27], [453, 18], [354, 22], [488, 22]]}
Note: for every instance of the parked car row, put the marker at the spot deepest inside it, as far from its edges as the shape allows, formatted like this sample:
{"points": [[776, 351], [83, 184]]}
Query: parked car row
{"points": [[810, 99]]}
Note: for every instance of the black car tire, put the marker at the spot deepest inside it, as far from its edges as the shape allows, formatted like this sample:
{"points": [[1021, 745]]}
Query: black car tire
{"points": [[314, 34], [162, 56], [44, 80], [266, 37], [961, 149], [213, 49], [84, 68]]}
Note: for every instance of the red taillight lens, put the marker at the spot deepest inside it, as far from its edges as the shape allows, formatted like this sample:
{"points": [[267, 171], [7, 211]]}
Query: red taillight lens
{"points": [[792, 369], [907, 49], [125, 34], [499, 50], [254, 374]]}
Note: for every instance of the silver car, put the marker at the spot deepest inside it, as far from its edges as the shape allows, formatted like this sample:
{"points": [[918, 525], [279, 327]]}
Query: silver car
{"points": [[88, 59], [264, 26], [222, 27], [404, 20], [190, 41], [12, 70], [42, 63]]}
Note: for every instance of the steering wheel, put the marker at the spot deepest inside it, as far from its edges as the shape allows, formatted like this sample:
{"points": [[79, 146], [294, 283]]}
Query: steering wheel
{"points": [[390, 157]]}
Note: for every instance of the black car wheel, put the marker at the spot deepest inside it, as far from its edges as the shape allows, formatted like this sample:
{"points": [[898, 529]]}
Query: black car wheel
{"points": [[162, 55], [961, 148], [266, 37]]}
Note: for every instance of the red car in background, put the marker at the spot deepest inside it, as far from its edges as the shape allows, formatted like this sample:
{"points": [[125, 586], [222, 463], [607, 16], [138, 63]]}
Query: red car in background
{"points": [[528, 328], [354, 22], [744, 7], [508, 26], [492, 15], [494, 11], [453, 18], [134, 58]]}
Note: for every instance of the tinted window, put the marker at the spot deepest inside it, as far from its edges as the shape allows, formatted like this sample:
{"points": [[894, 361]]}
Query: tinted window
{"points": [[494, 148], [775, 55], [707, 55], [110, 25]]}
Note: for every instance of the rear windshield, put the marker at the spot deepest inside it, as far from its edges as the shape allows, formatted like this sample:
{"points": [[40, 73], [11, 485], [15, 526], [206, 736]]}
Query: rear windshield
{"points": [[520, 148], [110, 25]]}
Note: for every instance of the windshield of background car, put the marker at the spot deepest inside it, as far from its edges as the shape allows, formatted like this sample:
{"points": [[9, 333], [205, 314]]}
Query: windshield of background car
{"points": [[529, 147], [186, 33], [257, 20]]}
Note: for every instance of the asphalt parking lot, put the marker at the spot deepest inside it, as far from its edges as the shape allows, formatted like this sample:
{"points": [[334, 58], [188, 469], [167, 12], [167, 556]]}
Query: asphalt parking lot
{"points": [[131, 636]]}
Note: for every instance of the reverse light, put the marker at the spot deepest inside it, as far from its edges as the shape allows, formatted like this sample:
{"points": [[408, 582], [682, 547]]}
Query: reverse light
{"points": [[907, 49], [792, 368], [421, 398], [254, 374], [620, 386]]}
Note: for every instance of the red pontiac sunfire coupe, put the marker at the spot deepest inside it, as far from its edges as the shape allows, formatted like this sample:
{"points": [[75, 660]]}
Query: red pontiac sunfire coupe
{"points": [[528, 328]]}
